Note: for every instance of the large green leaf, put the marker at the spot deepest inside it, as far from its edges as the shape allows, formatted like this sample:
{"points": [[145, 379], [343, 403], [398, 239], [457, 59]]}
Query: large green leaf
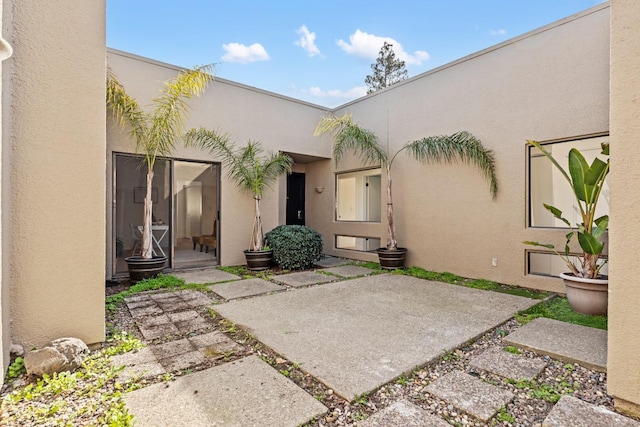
{"points": [[544, 245], [578, 168], [590, 244], [601, 226], [556, 213]]}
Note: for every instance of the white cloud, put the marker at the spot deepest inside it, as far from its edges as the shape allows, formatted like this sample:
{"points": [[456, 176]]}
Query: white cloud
{"points": [[368, 46], [353, 93], [500, 32], [237, 52], [307, 41]]}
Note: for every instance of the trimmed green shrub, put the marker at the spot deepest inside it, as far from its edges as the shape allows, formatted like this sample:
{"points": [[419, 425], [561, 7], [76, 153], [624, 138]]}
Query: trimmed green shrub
{"points": [[295, 247]]}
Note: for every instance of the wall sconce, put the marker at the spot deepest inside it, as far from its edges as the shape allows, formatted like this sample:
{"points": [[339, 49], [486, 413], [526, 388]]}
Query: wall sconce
{"points": [[319, 189]]}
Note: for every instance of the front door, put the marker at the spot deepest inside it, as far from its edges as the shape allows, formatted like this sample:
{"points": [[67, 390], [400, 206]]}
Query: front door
{"points": [[295, 199]]}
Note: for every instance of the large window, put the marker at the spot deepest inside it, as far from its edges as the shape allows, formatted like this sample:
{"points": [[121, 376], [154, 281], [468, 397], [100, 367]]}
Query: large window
{"points": [[355, 243], [547, 185], [358, 195]]}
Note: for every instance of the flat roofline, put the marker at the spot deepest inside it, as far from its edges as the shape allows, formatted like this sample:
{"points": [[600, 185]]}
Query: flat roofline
{"points": [[482, 52], [217, 79]]}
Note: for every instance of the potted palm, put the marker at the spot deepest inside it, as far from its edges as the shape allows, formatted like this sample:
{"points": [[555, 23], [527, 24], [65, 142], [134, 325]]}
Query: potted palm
{"points": [[253, 172], [459, 147], [587, 289], [156, 133]]}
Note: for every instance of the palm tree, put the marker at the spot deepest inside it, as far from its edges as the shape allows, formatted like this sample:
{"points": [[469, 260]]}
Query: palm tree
{"points": [[247, 167], [156, 132], [459, 147]]}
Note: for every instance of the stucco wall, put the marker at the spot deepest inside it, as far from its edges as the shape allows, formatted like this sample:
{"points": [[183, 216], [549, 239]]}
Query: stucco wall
{"points": [[279, 123], [548, 84], [54, 126], [623, 365]]}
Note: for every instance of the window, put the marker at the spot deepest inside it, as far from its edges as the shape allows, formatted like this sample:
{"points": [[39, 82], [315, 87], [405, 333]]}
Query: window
{"points": [[354, 243], [547, 185], [549, 264], [358, 195]]}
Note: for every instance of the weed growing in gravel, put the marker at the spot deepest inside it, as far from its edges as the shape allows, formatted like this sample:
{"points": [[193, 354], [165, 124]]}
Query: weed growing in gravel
{"points": [[503, 415], [16, 368], [483, 284], [88, 396], [558, 308], [544, 391], [362, 399]]}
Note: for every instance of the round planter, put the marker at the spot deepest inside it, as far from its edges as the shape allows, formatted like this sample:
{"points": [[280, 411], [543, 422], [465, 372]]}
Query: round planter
{"points": [[258, 260], [145, 268], [587, 296], [392, 259]]}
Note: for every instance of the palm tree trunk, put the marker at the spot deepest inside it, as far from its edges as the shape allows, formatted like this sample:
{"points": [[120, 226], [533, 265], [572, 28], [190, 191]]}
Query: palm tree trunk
{"points": [[392, 244], [147, 241], [256, 235]]}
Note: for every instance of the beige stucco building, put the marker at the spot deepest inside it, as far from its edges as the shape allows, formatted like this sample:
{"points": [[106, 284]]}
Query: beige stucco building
{"points": [[69, 198]]}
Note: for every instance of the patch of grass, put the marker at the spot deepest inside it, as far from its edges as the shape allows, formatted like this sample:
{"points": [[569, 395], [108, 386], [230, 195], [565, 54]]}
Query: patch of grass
{"points": [[163, 281], [558, 308], [511, 349], [546, 392], [483, 284], [371, 265], [245, 273]]}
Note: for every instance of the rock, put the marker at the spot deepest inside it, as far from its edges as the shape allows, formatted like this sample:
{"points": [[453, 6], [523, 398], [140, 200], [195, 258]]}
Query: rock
{"points": [[44, 361], [74, 351], [16, 349], [64, 354]]}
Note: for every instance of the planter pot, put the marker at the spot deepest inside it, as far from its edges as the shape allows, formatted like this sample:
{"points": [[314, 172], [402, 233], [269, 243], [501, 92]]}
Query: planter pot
{"points": [[258, 260], [144, 268], [392, 259], [587, 296]]}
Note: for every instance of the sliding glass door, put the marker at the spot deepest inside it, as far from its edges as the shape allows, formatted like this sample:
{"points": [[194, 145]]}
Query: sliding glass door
{"points": [[185, 211]]}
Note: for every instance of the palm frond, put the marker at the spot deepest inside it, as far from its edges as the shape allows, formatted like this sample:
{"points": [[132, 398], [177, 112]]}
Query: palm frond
{"points": [[461, 147], [349, 136], [125, 109]]}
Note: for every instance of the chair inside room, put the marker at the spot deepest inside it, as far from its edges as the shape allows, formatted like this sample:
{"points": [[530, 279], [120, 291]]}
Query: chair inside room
{"points": [[208, 241], [136, 236]]}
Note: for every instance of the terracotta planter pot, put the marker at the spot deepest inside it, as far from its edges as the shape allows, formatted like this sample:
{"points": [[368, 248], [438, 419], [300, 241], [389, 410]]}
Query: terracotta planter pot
{"points": [[144, 268], [258, 260], [587, 296], [392, 259]]}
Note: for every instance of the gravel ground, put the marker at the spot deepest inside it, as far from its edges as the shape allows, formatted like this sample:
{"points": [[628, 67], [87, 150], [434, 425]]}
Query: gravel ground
{"points": [[526, 409]]}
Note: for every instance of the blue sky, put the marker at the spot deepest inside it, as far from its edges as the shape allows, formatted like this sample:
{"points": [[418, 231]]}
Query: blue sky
{"points": [[320, 51]]}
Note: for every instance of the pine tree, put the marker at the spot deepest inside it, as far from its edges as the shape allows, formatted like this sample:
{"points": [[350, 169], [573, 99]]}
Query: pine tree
{"points": [[386, 71]]}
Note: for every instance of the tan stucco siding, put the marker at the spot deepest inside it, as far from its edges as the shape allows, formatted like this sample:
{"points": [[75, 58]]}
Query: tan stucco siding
{"points": [[279, 123], [54, 123], [623, 365], [551, 83]]}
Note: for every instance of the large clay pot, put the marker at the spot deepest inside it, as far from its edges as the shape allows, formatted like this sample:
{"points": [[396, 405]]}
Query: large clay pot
{"points": [[145, 268], [587, 296], [258, 260], [392, 259]]}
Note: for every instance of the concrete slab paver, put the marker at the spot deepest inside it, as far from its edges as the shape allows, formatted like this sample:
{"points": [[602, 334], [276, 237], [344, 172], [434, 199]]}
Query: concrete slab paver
{"points": [[303, 278], [403, 414], [209, 275], [158, 331], [359, 334], [473, 396], [172, 348], [143, 370], [571, 411], [145, 311], [507, 364], [247, 392], [349, 270], [244, 288], [183, 361], [563, 341]]}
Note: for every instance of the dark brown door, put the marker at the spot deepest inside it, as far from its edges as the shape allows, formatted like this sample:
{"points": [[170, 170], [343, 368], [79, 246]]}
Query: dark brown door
{"points": [[295, 199]]}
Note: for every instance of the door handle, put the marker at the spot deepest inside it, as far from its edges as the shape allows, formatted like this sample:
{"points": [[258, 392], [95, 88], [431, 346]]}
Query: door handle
{"points": [[300, 213]]}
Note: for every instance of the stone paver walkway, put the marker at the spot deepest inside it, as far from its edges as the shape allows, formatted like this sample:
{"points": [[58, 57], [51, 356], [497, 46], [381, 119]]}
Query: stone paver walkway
{"points": [[352, 335]]}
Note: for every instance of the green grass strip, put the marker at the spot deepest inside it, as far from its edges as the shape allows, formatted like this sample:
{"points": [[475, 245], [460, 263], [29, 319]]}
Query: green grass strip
{"points": [[558, 308]]}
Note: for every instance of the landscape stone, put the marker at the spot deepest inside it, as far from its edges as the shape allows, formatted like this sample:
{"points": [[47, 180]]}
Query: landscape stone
{"points": [[74, 350], [470, 394], [247, 392], [47, 360], [403, 414], [349, 271], [303, 278], [563, 341], [16, 349], [507, 364], [244, 288], [571, 411]]}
